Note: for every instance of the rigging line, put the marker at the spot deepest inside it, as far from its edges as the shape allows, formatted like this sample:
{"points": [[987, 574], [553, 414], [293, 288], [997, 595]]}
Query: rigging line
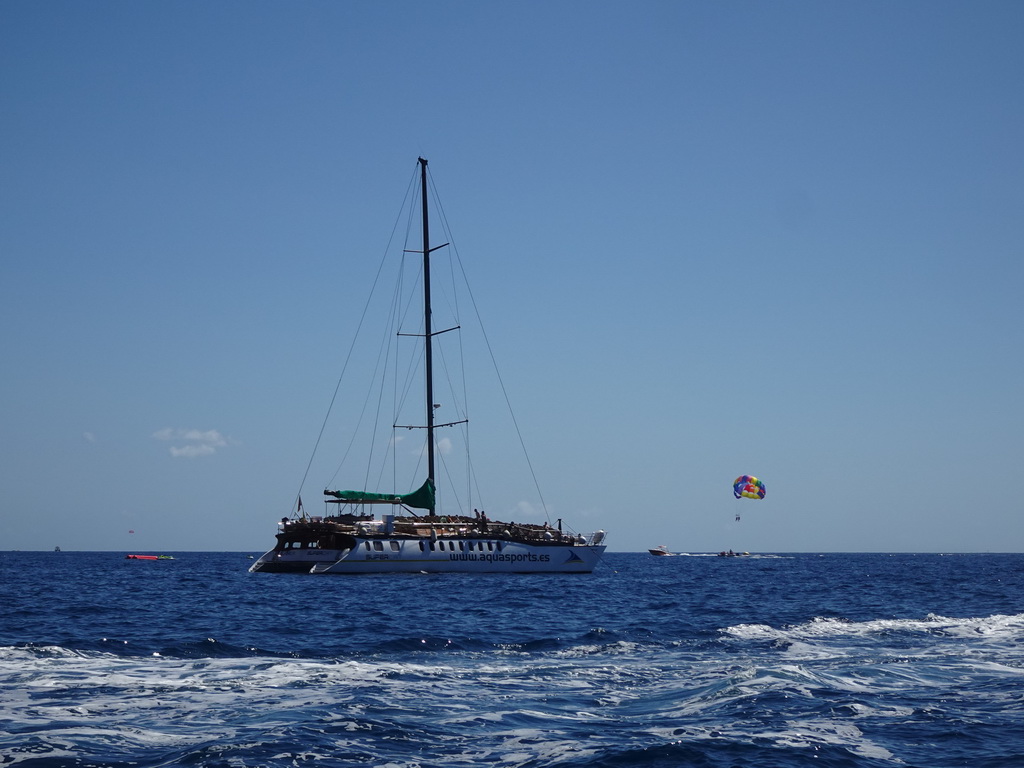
{"points": [[451, 300], [471, 478], [457, 405], [473, 481], [396, 321], [410, 301], [384, 351], [501, 383], [439, 210], [490, 351], [400, 394], [406, 379], [362, 318], [458, 397], [460, 411], [453, 304], [354, 435], [459, 509], [487, 343], [382, 369], [402, 315], [381, 366], [413, 369]]}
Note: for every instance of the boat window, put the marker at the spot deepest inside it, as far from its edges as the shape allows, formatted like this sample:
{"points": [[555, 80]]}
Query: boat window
{"points": [[368, 545], [378, 546], [490, 546], [462, 545], [451, 546], [422, 548], [394, 546]]}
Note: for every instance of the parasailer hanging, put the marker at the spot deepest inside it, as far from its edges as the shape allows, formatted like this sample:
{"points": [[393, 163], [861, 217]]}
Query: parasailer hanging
{"points": [[747, 487]]}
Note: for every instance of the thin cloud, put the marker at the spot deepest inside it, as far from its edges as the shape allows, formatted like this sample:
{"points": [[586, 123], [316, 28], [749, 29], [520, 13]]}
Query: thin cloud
{"points": [[191, 443], [444, 447], [191, 451], [525, 509]]}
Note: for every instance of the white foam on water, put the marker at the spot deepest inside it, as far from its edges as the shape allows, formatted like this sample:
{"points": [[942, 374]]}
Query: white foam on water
{"points": [[53, 753], [620, 647], [812, 733], [998, 626], [74, 698], [806, 734], [813, 684]]}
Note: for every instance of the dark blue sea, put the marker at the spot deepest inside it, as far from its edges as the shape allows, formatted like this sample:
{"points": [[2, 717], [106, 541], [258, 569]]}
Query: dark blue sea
{"points": [[776, 660]]}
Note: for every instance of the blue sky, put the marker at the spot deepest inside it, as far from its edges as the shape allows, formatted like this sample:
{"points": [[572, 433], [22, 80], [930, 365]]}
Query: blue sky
{"points": [[708, 239]]}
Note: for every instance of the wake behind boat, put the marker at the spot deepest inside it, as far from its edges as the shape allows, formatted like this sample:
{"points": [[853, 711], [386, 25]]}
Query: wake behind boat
{"points": [[415, 534]]}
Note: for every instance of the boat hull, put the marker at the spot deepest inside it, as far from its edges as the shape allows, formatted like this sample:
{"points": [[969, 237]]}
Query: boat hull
{"points": [[406, 556]]}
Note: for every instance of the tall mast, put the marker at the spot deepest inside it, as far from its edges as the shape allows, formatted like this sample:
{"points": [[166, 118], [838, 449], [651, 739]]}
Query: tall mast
{"points": [[426, 324]]}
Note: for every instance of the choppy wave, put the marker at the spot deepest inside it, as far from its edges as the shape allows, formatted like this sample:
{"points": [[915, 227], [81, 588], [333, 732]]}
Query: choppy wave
{"points": [[762, 696], [641, 665], [530, 710], [1010, 628]]}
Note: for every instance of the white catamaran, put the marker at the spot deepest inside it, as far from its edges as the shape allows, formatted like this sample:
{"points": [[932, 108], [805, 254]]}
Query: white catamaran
{"points": [[414, 535]]}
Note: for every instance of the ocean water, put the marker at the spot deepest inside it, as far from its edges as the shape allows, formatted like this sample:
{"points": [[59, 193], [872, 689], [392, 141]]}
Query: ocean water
{"points": [[785, 660]]}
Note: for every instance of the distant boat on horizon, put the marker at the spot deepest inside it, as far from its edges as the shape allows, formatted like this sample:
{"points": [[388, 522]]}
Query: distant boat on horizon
{"points": [[661, 551]]}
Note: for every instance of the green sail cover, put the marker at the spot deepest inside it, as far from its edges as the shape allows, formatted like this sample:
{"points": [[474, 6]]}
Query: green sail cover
{"points": [[423, 498]]}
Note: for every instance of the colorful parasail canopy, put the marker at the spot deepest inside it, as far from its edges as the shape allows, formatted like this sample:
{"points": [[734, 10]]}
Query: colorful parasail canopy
{"points": [[748, 487]]}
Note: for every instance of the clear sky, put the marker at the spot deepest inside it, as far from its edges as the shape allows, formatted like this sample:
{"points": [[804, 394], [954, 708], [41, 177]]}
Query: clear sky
{"points": [[708, 239]]}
